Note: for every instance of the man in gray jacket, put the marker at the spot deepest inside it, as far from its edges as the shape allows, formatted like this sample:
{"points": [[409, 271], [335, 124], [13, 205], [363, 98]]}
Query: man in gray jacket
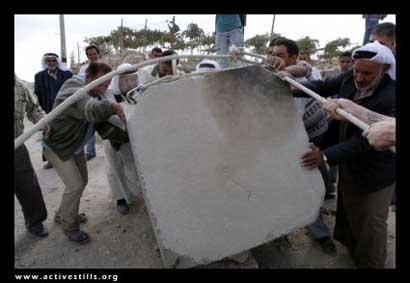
{"points": [[65, 140]]}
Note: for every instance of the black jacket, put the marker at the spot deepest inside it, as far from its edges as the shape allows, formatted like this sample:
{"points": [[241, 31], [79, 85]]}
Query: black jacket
{"points": [[42, 89], [371, 170]]}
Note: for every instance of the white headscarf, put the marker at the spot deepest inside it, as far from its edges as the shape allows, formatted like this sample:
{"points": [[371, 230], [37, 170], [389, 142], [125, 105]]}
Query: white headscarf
{"points": [[206, 65], [383, 55], [61, 65], [114, 89], [114, 85]]}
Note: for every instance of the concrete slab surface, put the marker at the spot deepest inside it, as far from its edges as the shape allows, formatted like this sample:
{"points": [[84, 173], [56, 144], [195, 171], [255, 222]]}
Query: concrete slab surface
{"points": [[219, 159]]}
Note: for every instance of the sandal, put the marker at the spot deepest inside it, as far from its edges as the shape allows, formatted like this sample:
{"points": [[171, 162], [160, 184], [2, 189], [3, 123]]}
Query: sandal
{"points": [[82, 218], [78, 236]]}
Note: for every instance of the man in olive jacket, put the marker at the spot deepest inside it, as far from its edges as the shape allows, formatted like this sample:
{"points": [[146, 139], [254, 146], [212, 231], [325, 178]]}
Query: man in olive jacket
{"points": [[366, 176], [65, 140]]}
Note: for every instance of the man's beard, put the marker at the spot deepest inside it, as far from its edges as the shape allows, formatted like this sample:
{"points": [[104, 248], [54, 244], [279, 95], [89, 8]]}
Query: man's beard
{"points": [[372, 85], [53, 70]]}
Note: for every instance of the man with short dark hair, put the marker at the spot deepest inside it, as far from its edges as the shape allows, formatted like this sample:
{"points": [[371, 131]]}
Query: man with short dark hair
{"points": [[48, 82], [371, 20], [93, 55], [69, 132], [385, 33], [283, 54], [153, 72], [345, 61], [304, 55], [155, 52]]}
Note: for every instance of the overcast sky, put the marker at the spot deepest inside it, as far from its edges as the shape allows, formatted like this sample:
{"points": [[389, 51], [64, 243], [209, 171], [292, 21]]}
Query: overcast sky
{"points": [[37, 34]]}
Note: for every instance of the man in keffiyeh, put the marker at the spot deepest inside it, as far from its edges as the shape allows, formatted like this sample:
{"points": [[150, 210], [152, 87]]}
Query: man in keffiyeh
{"points": [[366, 176], [48, 82]]}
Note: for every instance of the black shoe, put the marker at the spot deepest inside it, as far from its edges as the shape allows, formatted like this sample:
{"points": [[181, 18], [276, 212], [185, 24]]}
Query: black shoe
{"points": [[283, 243], [48, 165], [90, 156], [38, 230], [122, 206], [78, 236], [327, 245], [82, 218]]}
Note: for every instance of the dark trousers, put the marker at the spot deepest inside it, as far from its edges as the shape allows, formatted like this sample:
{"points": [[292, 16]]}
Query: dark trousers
{"points": [[370, 23], [42, 154], [361, 222], [328, 175], [27, 188]]}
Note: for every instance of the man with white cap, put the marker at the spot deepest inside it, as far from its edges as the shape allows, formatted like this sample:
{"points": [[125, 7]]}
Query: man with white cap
{"points": [[120, 167], [366, 176], [207, 66], [382, 131], [48, 82]]}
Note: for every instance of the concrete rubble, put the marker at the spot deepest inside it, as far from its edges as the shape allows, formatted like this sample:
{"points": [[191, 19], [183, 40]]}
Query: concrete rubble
{"points": [[218, 158]]}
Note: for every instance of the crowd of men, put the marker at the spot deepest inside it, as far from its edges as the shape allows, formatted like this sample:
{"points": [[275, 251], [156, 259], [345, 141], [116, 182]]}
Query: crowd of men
{"points": [[365, 87]]}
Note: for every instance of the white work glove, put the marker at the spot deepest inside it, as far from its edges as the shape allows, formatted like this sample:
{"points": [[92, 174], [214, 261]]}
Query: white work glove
{"points": [[237, 51]]}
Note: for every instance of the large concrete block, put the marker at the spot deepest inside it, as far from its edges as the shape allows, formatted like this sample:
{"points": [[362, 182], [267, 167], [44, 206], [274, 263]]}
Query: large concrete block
{"points": [[219, 161]]}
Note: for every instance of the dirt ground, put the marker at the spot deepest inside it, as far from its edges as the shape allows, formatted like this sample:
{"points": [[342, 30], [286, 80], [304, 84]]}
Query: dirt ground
{"points": [[128, 241]]}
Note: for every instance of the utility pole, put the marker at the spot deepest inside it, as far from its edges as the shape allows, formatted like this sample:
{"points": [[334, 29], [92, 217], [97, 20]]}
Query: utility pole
{"points": [[78, 52], [146, 39], [121, 39], [62, 37], [273, 24]]}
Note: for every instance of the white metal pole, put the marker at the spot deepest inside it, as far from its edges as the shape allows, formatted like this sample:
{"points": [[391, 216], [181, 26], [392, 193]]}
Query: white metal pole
{"points": [[73, 98], [62, 37]]}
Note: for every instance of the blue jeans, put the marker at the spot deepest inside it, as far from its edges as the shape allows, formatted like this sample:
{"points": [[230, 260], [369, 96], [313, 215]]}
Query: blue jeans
{"points": [[370, 23], [319, 229], [90, 146], [226, 39]]}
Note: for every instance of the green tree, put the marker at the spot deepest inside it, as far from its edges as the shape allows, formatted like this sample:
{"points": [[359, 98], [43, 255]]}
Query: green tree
{"points": [[173, 35], [332, 48], [209, 43], [179, 45], [275, 36], [104, 44], [259, 43], [128, 36], [308, 44], [194, 34], [155, 37], [351, 49]]}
